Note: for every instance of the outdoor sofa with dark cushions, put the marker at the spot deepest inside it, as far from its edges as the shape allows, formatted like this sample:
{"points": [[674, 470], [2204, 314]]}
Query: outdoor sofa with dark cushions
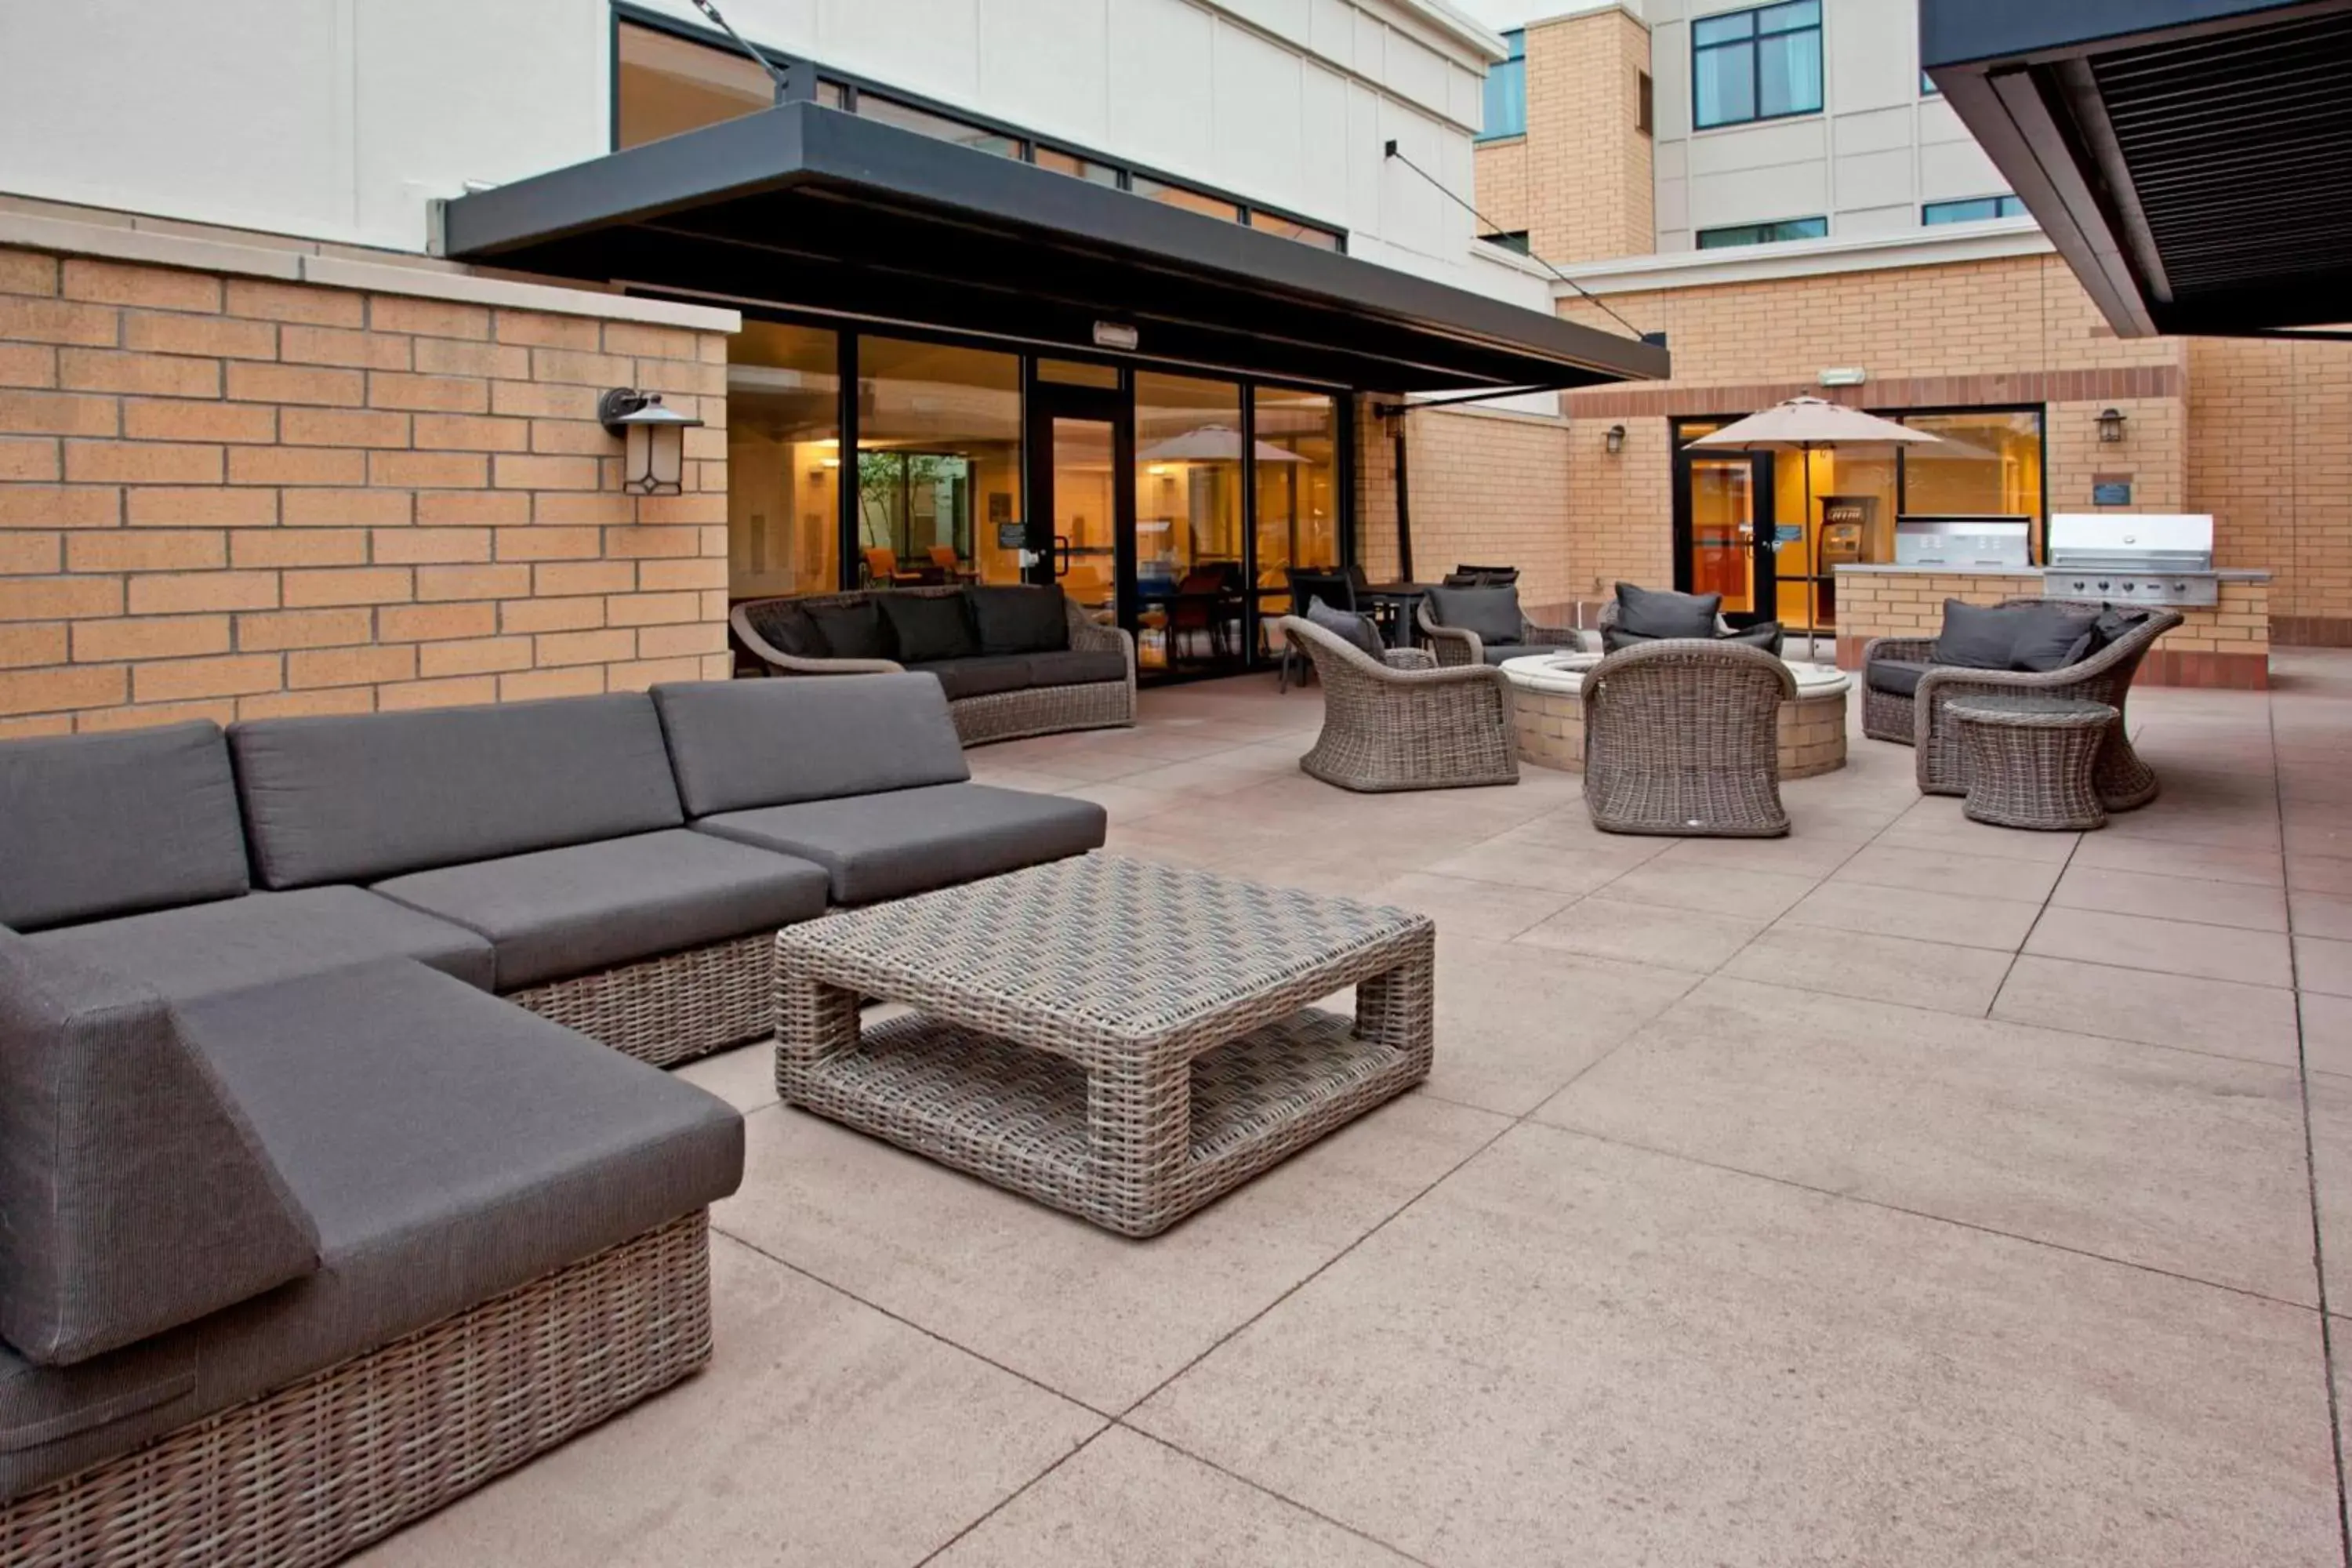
{"points": [[2050, 647], [1484, 626], [306, 1233], [1635, 616], [1014, 659], [863, 776]]}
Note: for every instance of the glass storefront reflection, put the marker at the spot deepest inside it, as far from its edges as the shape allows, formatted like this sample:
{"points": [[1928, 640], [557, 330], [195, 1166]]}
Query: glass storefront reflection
{"points": [[1188, 520], [939, 462], [784, 456]]}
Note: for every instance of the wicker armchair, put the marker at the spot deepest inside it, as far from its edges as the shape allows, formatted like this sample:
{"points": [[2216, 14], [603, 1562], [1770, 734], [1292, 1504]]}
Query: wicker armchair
{"points": [[2122, 779], [1455, 647], [1681, 737], [1403, 723]]}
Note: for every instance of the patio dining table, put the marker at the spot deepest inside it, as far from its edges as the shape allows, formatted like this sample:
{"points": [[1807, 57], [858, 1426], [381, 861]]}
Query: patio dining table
{"points": [[1394, 605]]}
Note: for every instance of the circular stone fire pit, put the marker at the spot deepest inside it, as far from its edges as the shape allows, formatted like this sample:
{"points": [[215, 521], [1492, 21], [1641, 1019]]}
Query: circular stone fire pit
{"points": [[1548, 691]]}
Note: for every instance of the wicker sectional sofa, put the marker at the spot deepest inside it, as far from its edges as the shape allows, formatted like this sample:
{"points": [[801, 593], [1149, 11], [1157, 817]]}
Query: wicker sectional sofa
{"points": [[1013, 661], [310, 1227]]}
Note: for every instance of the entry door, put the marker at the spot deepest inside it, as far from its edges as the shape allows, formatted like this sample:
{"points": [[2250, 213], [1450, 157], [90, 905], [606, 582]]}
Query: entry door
{"points": [[1082, 499], [1722, 545]]}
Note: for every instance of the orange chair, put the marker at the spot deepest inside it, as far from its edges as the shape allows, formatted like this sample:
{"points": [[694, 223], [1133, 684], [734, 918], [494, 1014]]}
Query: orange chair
{"points": [[943, 559], [882, 568]]}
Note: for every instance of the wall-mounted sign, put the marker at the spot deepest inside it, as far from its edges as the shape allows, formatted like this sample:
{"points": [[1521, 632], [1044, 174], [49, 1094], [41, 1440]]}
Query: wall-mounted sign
{"points": [[1013, 535], [1844, 375], [1115, 335], [2111, 492], [1787, 533]]}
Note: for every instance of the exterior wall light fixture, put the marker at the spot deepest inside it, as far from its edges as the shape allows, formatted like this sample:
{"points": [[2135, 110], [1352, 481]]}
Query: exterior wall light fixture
{"points": [[653, 451], [1615, 440], [2111, 425]]}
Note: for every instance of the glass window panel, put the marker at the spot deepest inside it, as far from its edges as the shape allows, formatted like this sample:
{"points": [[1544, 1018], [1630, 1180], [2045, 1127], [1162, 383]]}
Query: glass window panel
{"points": [[1789, 74], [1188, 512], [666, 84], [1070, 163], [783, 456], [1506, 100], [1927, 88], [1516, 240], [1975, 209], [1987, 462], [1191, 200], [1077, 372], [1085, 517], [1297, 494], [1764, 233], [1726, 85], [964, 134], [1291, 228], [1724, 29], [1796, 13], [939, 458]]}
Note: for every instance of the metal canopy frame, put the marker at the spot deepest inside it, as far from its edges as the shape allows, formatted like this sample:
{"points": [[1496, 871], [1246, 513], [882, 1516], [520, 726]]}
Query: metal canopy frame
{"points": [[2191, 158], [805, 205]]}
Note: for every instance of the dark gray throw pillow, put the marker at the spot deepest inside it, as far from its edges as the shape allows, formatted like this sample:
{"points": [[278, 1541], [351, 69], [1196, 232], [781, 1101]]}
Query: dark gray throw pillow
{"points": [[1019, 618], [1348, 627], [853, 630], [928, 627], [785, 627], [1765, 635], [1662, 613], [2112, 626], [1978, 636], [1492, 612], [2051, 636]]}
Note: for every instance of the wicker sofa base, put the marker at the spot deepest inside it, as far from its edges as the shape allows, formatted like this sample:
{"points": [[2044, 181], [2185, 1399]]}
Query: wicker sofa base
{"points": [[1043, 711], [672, 1009], [317, 1471]]}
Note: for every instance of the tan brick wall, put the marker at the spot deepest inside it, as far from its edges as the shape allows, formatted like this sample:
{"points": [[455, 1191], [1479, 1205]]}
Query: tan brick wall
{"points": [[1487, 486], [229, 497], [2270, 456], [1581, 180]]}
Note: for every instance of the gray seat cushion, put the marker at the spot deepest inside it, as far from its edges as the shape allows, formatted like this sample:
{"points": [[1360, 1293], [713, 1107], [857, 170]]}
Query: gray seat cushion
{"points": [[1898, 676], [450, 1147], [1493, 613], [363, 797], [108, 825], [555, 913], [1076, 667], [137, 1196], [741, 743], [912, 840], [265, 937], [982, 675]]}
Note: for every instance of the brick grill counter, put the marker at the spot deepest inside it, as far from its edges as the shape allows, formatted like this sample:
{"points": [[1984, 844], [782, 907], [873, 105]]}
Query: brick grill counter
{"points": [[2226, 645]]}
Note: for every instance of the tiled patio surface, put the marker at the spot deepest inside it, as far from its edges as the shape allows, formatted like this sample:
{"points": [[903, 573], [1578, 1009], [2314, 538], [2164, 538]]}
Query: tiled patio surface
{"points": [[1903, 1192]]}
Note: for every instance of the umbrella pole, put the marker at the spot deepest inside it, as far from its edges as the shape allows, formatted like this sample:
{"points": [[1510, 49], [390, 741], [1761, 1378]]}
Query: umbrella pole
{"points": [[1812, 567]]}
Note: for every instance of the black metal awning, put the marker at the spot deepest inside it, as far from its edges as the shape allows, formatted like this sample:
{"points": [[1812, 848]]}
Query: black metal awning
{"points": [[808, 206], [2191, 158]]}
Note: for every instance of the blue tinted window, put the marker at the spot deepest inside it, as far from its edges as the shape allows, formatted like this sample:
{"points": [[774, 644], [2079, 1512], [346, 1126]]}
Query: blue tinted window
{"points": [[1976, 209], [1756, 65], [1506, 91], [1764, 233]]}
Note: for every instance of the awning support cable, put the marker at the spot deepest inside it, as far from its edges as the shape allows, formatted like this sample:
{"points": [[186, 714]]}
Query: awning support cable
{"points": [[1491, 228], [783, 83]]}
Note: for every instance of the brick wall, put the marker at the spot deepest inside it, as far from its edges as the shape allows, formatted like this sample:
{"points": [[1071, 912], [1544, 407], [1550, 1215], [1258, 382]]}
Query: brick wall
{"points": [[1488, 487], [229, 497], [2270, 456], [1581, 180]]}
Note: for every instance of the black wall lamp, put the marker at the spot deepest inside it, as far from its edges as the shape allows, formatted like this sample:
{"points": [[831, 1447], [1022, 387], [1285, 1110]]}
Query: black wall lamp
{"points": [[653, 451], [1615, 440], [2111, 425]]}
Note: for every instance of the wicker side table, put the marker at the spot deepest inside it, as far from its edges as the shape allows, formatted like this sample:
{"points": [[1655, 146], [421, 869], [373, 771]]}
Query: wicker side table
{"points": [[1121, 1040], [2032, 761]]}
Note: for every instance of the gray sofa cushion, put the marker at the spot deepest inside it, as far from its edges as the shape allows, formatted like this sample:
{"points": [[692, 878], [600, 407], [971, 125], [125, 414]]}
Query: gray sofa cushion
{"points": [[266, 937], [106, 824], [1493, 613], [982, 675], [359, 798], [785, 627], [1076, 667], [853, 629], [928, 627], [912, 840], [2052, 636], [1664, 613], [1019, 618], [137, 1198], [450, 1146], [741, 743], [555, 913], [1896, 676]]}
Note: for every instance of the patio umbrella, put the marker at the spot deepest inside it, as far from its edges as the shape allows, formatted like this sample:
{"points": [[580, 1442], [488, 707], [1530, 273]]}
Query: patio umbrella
{"points": [[1809, 425], [1212, 444]]}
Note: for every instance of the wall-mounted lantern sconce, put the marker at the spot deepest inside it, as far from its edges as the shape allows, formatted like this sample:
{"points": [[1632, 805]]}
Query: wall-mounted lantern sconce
{"points": [[653, 453], [1615, 440], [2111, 425]]}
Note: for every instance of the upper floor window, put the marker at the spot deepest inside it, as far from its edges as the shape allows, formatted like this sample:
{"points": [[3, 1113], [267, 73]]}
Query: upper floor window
{"points": [[1506, 91], [1509, 239], [1975, 209], [1927, 88], [1756, 65], [1764, 233]]}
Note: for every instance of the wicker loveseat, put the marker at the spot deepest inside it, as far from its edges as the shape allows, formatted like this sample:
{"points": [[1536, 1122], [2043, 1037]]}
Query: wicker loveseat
{"points": [[1065, 673], [1400, 723], [1916, 717], [332, 1187]]}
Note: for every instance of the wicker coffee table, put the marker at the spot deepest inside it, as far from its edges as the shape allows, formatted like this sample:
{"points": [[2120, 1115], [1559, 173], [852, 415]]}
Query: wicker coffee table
{"points": [[2032, 761], [1122, 1040]]}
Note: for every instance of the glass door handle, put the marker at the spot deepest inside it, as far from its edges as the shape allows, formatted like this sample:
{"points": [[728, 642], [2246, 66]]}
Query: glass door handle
{"points": [[1062, 554]]}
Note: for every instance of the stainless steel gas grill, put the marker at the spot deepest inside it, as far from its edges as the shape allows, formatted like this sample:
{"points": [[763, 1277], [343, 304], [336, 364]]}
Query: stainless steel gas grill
{"points": [[2131, 558]]}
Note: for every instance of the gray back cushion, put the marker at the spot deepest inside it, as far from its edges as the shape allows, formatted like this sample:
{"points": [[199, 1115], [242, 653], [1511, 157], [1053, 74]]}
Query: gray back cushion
{"points": [[1978, 636], [360, 798], [1664, 613], [138, 1197], [1019, 618], [1351, 627], [1492, 612], [737, 744], [109, 824]]}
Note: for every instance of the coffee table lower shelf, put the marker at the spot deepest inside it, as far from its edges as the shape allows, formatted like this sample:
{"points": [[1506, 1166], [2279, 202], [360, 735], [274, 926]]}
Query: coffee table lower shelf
{"points": [[1024, 1118]]}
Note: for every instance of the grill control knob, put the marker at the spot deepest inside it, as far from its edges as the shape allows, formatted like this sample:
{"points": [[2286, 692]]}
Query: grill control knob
{"points": [[2128, 587], [2102, 587]]}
